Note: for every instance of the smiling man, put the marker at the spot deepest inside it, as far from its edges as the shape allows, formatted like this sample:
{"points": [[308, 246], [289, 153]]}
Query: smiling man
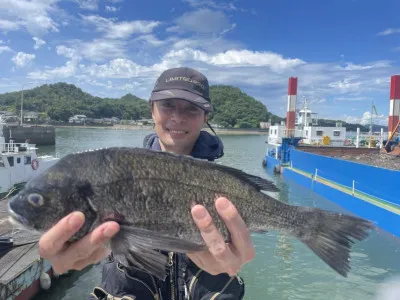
{"points": [[180, 104]]}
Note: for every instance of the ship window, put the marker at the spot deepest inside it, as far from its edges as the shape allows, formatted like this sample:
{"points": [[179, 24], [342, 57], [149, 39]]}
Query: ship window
{"points": [[18, 160], [336, 133], [306, 132], [27, 160], [320, 132], [11, 161], [1, 162]]}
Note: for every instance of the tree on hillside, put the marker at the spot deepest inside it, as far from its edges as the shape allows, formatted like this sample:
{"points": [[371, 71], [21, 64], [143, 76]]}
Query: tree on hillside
{"points": [[234, 108]]}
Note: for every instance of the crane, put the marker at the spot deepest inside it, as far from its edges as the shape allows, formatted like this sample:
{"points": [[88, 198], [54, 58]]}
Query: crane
{"points": [[390, 146]]}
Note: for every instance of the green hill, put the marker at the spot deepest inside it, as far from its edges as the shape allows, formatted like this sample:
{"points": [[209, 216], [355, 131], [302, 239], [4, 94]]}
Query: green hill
{"points": [[232, 107], [59, 101]]}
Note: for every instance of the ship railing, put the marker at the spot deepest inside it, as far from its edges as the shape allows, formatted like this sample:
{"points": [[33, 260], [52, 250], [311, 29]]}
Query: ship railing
{"points": [[356, 189], [16, 147]]}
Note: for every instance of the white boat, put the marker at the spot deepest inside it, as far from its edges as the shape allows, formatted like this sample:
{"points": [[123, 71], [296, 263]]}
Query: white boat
{"points": [[306, 127], [19, 163]]}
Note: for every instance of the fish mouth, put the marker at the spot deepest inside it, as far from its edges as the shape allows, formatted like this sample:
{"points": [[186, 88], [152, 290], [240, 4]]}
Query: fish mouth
{"points": [[16, 217]]}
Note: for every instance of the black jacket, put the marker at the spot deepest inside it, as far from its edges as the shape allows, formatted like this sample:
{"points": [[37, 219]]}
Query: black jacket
{"points": [[185, 280]]}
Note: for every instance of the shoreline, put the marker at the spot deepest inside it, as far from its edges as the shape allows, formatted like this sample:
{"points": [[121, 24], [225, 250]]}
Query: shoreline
{"points": [[223, 131]]}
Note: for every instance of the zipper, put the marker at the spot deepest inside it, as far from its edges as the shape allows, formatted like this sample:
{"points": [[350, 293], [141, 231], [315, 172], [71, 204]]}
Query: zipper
{"points": [[193, 282], [155, 295], [214, 297], [171, 274]]}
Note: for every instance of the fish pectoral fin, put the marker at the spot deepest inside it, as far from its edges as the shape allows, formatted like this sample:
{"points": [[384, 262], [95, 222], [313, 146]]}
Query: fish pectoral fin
{"points": [[136, 246], [151, 261]]}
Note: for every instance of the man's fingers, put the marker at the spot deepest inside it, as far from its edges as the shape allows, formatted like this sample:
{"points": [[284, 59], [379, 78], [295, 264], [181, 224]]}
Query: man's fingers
{"points": [[84, 248], [53, 240], [204, 260], [240, 235], [96, 256], [211, 235]]}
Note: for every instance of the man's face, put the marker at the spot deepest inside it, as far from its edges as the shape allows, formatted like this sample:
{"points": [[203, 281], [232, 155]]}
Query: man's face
{"points": [[177, 124]]}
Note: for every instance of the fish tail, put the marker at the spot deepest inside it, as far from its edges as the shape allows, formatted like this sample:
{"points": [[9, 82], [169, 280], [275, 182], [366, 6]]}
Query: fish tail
{"points": [[330, 236]]}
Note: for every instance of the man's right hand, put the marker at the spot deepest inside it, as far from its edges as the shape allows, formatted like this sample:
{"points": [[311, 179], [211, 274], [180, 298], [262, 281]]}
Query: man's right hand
{"points": [[64, 256]]}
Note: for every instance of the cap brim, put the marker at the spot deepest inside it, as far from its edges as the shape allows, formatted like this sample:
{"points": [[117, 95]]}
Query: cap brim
{"points": [[184, 95]]}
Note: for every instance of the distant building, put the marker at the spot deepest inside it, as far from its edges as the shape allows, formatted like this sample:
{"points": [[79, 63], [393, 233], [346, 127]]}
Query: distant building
{"points": [[265, 125], [78, 119], [31, 117]]}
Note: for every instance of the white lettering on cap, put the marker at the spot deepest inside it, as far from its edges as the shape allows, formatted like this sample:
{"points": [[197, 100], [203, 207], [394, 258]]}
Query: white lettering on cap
{"points": [[187, 79]]}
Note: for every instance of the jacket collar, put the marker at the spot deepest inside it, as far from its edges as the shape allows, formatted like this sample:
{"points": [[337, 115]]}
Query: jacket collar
{"points": [[207, 146]]}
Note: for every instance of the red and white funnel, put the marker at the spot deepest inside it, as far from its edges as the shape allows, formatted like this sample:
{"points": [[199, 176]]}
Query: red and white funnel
{"points": [[394, 111], [291, 107]]}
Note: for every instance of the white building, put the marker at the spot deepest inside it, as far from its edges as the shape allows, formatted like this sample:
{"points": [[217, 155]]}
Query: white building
{"points": [[79, 119]]}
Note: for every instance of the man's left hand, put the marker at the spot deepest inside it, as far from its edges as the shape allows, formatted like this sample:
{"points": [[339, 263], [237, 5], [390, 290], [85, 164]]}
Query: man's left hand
{"points": [[222, 257]]}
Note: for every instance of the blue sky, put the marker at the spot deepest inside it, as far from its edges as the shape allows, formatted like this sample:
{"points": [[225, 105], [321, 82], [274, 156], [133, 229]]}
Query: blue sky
{"points": [[343, 52]]}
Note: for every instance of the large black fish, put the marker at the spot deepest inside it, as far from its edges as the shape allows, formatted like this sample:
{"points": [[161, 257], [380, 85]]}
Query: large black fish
{"points": [[151, 193]]}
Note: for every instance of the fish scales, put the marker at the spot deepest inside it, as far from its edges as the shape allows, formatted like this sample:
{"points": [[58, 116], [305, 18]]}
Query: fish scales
{"points": [[151, 193]]}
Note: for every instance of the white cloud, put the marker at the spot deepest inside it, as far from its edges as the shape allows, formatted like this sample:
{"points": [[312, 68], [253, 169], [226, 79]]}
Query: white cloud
{"points": [[376, 119], [210, 44], [66, 71], [21, 59], [151, 40], [237, 58], [6, 25], [203, 21], [116, 68], [389, 31], [38, 43], [109, 8], [228, 6], [67, 52], [34, 15], [88, 4], [5, 49], [352, 98], [346, 85], [97, 50], [102, 49], [379, 64], [120, 30]]}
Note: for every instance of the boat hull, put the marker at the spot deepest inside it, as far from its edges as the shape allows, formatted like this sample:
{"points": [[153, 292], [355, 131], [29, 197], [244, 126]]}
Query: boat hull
{"points": [[367, 191]]}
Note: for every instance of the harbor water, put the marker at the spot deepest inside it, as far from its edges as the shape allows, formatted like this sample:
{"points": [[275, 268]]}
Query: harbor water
{"points": [[284, 268]]}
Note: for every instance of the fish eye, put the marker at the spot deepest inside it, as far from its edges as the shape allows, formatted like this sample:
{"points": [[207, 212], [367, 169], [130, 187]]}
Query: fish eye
{"points": [[35, 199]]}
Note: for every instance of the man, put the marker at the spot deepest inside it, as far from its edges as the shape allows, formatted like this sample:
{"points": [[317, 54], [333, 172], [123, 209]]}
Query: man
{"points": [[180, 104]]}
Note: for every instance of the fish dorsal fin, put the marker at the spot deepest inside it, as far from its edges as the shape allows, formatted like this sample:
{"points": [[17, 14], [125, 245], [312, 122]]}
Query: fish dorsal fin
{"points": [[261, 184]]}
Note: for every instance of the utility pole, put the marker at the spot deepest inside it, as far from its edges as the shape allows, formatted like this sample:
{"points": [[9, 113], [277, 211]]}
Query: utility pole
{"points": [[22, 103]]}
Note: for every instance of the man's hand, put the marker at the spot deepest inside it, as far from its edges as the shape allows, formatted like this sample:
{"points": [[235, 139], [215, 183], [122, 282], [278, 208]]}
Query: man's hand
{"points": [[221, 257], [64, 256]]}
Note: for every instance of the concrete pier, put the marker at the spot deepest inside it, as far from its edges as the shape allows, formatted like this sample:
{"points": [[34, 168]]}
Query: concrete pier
{"points": [[39, 135]]}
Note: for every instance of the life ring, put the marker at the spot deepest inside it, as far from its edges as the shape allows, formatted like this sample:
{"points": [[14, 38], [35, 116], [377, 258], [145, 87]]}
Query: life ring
{"points": [[35, 164]]}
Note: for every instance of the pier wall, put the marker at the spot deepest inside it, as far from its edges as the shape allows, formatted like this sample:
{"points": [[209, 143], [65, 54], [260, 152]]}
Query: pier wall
{"points": [[39, 135]]}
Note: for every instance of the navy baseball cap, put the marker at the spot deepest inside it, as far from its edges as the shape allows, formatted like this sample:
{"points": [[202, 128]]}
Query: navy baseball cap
{"points": [[183, 83]]}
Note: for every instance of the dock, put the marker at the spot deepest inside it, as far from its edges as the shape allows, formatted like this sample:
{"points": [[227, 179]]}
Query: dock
{"points": [[21, 267]]}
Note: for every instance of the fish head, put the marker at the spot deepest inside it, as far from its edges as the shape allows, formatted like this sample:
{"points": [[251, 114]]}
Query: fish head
{"points": [[46, 199]]}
